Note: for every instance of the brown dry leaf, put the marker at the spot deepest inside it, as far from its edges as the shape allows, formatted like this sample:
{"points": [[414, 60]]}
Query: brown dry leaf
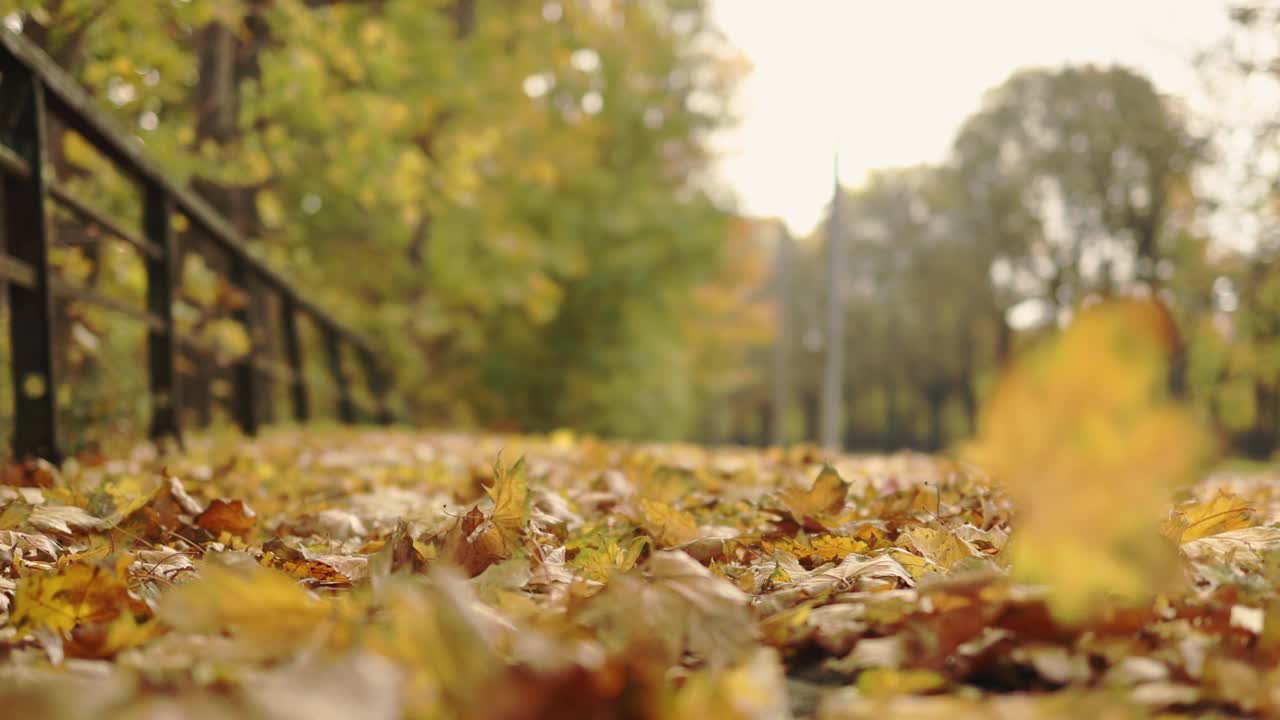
{"points": [[65, 519], [399, 553], [855, 572], [230, 516], [472, 543], [475, 542], [169, 509], [12, 542], [313, 570], [676, 607], [820, 504], [1227, 547]]}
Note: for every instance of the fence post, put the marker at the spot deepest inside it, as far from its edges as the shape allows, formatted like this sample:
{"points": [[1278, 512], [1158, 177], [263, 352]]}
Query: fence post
{"points": [[26, 238], [166, 398], [244, 400], [333, 350], [293, 354]]}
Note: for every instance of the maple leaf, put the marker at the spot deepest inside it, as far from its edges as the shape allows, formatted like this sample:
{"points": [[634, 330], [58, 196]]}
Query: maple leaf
{"points": [[472, 543], [835, 547], [229, 516], [667, 526], [1083, 434], [944, 548], [87, 604], [399, 553], [598, 563], [510, 494], [677, 606], [1219, 514], [476, 541], [817, 506]]}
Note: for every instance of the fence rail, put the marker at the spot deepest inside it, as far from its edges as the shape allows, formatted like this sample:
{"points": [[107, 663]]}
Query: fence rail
{"points": [[34, 89]]}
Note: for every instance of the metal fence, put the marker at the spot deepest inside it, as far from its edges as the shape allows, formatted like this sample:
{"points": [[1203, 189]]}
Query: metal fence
{"points": [[34, 91]]}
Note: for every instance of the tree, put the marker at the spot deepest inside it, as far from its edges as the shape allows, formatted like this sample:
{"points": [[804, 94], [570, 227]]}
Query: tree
{"points": [[1080, 177], [512, 197]]}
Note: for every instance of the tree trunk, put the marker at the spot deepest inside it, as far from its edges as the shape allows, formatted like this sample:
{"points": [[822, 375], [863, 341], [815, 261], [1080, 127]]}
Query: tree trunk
{"points": [[810, 404], [936, 398]]}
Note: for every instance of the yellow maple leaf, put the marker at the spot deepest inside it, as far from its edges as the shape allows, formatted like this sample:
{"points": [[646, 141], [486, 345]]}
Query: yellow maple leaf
{"points": [[1217, 515], [823, 500], [600, 563], [510, 493], [835, 547], [88, 599], [943, 547], [666, 525], [1083, 433]]}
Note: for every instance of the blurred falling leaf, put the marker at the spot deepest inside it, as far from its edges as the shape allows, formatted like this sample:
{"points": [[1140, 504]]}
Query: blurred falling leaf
{"points": [[754, 689], [267, 612], [1081, 427]]}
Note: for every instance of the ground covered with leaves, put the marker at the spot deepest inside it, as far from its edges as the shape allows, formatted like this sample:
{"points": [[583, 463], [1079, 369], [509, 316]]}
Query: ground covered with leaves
{"points": [[391, 574]]}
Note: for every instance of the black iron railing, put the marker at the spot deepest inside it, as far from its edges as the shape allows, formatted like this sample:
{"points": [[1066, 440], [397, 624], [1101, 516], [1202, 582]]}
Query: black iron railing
{"points": [[34, 90]]}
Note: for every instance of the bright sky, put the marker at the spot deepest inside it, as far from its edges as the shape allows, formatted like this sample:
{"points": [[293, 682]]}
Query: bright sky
{"points": [[887, 83]]}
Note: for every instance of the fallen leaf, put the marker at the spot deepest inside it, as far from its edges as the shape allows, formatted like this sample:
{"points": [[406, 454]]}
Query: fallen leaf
{"points": [[1219, 514], [666, 525], [822, 501], [229, 516]]}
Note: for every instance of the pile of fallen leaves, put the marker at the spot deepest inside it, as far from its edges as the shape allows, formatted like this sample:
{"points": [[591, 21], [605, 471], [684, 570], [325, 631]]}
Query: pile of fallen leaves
{"points": [[391, 574]]}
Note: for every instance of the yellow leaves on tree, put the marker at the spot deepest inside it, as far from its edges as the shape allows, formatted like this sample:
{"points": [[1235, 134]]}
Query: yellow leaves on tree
{"points": [[1084, 434]]}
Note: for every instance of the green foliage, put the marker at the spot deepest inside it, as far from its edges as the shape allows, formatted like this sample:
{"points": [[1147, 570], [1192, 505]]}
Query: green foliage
{"points": [[508, 197]]}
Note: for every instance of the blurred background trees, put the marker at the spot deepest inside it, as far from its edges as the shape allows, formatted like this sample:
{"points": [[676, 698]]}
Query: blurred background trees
{"points": [[518, 201], [1067, 186]]}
